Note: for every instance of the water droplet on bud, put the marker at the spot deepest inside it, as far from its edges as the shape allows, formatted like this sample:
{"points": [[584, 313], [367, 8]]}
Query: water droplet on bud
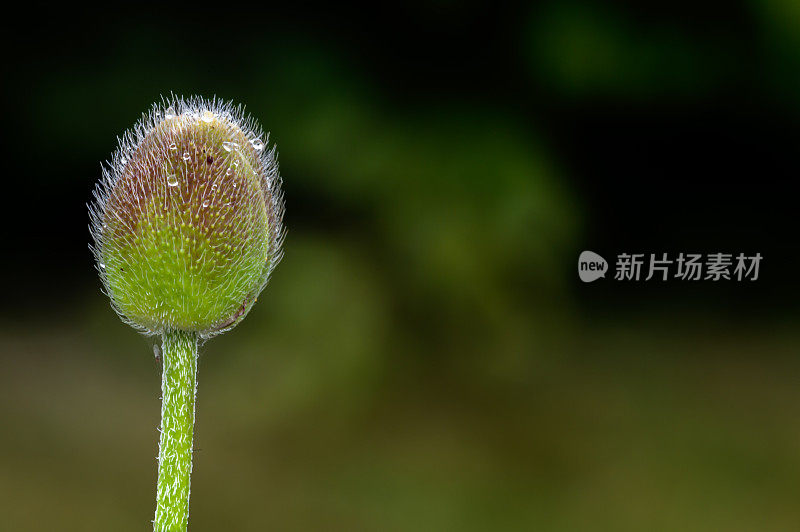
{"points": [[172, 180], [169, 113], [186, 156], [258, 144]]}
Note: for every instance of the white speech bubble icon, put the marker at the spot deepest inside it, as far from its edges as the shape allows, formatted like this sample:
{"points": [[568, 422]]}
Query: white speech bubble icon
{"points": [[591, 266]]}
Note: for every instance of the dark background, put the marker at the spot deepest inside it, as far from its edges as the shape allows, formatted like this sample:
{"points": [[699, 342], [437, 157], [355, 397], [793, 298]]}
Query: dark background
{"points": [[425, 357]]}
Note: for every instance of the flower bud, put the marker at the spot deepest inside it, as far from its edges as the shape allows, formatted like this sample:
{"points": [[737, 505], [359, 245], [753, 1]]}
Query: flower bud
{"points": [[187, 218]]}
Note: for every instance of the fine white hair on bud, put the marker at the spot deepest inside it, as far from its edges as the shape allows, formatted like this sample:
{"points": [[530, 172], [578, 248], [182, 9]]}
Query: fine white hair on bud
{"points": [[187, 218]]}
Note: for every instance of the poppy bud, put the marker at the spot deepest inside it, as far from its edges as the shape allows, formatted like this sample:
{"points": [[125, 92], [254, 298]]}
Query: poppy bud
{"points": [[187, 218]]}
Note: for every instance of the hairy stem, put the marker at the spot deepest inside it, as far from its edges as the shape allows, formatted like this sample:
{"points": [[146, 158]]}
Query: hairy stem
{"points": [[178, 389]]}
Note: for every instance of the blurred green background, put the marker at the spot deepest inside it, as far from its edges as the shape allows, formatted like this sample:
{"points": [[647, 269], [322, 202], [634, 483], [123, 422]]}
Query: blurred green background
{"points": [[424, 358]]}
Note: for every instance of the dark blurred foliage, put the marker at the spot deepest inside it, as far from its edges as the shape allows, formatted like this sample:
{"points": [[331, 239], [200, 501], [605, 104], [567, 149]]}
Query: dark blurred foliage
{"points": [[425, 357]]}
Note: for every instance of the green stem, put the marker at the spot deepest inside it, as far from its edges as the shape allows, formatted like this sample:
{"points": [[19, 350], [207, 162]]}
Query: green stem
{"points": [[178, 389]]}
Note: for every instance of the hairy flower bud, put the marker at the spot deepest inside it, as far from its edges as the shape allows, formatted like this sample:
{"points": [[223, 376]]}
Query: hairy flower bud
{"points": [[187, 218]]}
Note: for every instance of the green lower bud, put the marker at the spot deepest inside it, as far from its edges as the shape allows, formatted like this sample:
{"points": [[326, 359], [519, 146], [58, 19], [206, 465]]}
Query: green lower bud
{"points": [[187, 223]]}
